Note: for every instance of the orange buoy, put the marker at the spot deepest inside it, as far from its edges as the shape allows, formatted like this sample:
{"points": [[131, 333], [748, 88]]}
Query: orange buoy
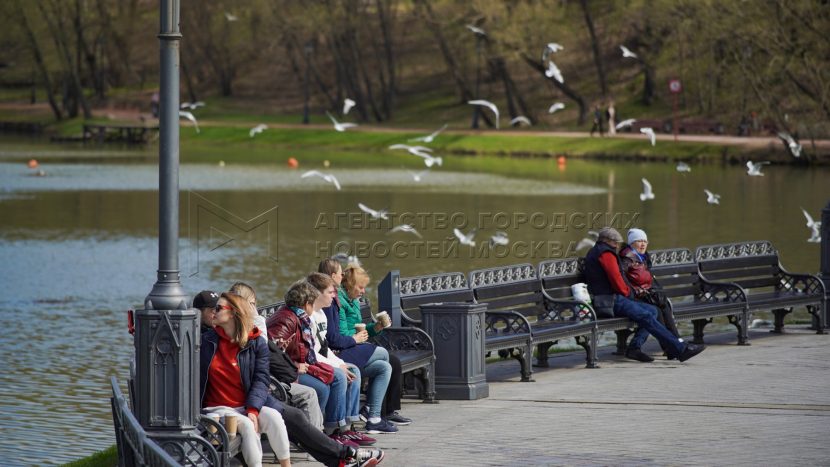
{"points": [[561, 159], [32, 163], [293, 163]]}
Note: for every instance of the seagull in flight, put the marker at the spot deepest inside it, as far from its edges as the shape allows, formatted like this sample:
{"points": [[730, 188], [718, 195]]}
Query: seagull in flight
{"points": [[417, 176], [489, 105], [711, 198], [647, 192], [231, 17], [476, 30], [499, 238], [430, 137], [815, 227], [683, 167], [627, 53], [404, 228], [327, 177], [553, 72], [754, 168], [420, 151], [465, 239], [257, 130], [588, 242], [553, 47], [381, 214], [347, 105], [189, 116], [792, 145], [555, 107], [625, 123], [650, 133], [340, 126], [520, 119], [191, 105]]}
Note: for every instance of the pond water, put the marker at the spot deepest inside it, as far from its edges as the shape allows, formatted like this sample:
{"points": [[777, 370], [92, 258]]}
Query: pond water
{"points": [[79, 248]]}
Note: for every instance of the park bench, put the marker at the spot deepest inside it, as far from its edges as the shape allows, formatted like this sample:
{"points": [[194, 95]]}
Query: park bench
{"points": [[756, 269], [412, 346]]}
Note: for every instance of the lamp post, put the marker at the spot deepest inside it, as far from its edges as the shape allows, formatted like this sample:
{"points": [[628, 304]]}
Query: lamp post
{"points": [[825, 256], [476, 108], [167, 331], [309, 49]]}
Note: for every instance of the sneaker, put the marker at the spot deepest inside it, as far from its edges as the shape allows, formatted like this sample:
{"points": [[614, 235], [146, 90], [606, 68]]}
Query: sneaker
{"points": [[382, 426], [398, 419], [337, 436], [364, 413], [690, 351], [639, 355], [365, 458], [359, 438]]}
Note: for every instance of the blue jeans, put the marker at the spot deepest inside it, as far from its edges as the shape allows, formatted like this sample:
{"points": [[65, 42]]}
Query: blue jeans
{"points": [[332, 397], [645, 316], [353, 396], [378, 371]]}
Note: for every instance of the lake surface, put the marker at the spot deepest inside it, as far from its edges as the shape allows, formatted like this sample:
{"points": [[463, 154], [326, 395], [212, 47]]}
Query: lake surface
{"points": [[79, 247]]}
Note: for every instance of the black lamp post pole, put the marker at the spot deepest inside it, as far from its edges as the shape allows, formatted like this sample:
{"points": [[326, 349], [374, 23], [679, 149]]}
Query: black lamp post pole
{"points": [[825, 256]]}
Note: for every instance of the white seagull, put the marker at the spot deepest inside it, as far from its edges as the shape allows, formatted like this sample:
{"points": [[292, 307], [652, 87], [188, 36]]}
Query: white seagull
{"points": [[647, 192], [430, 137], [554, 72], [683, 167], [340, 126], [189, 116], [191, 105], [420, 151], [753, 169], [650, 133], [554, 47], [231, 17], [257, 130], [404, 228], [465, 239], [476, 30], [557, 106], [625, 123], [520, 119], [588, 242], [381, 214], [815, 227], [489, 105], [627, 53], [347, 105], [417, 176], [793, 145], [499, 238], [327, 177], [711, 198]]}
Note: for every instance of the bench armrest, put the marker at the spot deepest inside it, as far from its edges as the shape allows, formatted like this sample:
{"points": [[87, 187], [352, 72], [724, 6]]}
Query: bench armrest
{"points": [[190, 446], [512, 322], [723, 292], [403, 338], [556, 306], [801, 283], [214, 432]]}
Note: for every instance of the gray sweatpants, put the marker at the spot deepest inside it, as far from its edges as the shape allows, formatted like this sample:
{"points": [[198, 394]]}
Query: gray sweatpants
{"points": [[305, 399]]}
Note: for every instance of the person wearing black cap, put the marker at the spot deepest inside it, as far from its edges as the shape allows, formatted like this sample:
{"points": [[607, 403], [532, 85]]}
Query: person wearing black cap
{"points": [[205, 302], [612, 297]]}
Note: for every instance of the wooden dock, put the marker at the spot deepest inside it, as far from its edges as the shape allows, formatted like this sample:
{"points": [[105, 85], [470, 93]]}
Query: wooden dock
{"points": [[119, 133]]}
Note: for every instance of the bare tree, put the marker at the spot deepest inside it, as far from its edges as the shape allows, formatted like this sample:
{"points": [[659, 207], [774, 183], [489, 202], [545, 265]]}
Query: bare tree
{"points": [[595, 47], [31, 39]]}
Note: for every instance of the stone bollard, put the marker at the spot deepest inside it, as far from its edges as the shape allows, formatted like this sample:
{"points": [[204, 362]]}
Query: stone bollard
{"points": [[457, 331]]}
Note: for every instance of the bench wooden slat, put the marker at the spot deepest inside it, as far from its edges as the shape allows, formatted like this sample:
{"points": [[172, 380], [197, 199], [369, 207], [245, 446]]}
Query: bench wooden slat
{"points": [[739, 262], [672, 281], [731, 274]]}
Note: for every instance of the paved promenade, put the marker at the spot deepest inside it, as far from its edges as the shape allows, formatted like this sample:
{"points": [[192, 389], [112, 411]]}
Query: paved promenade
{"points": [[766, 404]]}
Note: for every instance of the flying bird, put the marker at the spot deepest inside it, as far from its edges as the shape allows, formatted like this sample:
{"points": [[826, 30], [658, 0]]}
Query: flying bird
{"points": [[465, 239], [627, 53], [189, 116], [257, 130], [476, 30], [711, 198], [792, 145], [589, 241], [557, 106], [191, 105], [553, 72], [430, 137], [489, 105], [499, 238], [625, 123], [683, 167], [404, 228], [381, 214], [340, 126], [231, 17], [647, 192], [417, 176], [650, 133], [347, 259], [327, 177], [520, 119], [815, 227], [420, 151], [554, 47], [347, 105], [754, 169]]}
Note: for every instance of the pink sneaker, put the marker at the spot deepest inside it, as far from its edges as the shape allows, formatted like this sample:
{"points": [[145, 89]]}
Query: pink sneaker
{"points": [[359, 438]]}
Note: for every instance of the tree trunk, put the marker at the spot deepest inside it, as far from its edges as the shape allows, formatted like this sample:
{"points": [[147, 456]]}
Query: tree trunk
{"points": [[385, 7], [188, 81], [59, 36], [449, 59], [514, 97], [38, 56], [567, 90], [595, 47], [649, 85]]}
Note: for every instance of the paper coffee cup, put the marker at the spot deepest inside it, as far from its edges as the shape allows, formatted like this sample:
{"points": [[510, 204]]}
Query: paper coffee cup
{"points": [[384, 319], [360, 327], [230, 425]]}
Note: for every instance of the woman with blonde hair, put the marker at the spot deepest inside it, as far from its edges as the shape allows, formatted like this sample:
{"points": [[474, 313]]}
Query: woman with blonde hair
{"points": [[247, 292]]}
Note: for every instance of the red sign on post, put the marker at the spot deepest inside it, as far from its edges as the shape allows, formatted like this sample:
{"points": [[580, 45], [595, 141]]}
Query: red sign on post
{"points": [[675, 87]]}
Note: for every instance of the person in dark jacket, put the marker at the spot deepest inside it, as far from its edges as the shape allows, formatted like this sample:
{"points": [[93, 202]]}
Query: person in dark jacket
{"points": [[284, 370], [205, 302], [612, 296], [248, 380]]}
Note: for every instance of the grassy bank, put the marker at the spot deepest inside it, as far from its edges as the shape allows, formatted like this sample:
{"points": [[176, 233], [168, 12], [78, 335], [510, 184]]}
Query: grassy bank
{"points": [[105, 458]]}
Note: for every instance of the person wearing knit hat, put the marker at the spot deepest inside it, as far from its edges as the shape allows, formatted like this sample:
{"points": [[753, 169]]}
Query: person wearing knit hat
{"points": [[635, 235], [613, 296]]}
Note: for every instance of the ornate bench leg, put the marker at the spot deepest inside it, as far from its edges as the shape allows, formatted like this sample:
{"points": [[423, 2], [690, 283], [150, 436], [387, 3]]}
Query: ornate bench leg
{"points": [[778, 321], [816, 312], [542, 354], [589, 344], [699, 324], [739, 321], [622, 338], [429, 383], [523, 355]]}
